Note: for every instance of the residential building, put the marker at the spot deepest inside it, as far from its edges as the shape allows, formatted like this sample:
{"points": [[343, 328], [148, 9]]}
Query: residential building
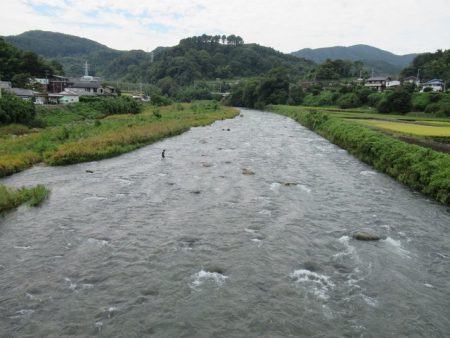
{"points": [[436, 85], [68, 96], [411, 80], [5, 84], [25, 94], [393, 84], [377, 82]]}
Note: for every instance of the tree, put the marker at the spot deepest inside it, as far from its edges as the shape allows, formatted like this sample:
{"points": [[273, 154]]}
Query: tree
{"points": [[398, 101]]}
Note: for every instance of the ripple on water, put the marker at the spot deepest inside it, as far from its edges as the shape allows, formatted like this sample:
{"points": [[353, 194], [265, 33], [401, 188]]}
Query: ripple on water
{"points": [[203, 276], [317, 284]]}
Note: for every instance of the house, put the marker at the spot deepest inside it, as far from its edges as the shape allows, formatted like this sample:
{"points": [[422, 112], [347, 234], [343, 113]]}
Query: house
{"points": [[411, 80], [377, 82], [57, 83], [393, 84], [5, 84], [25, 94], [40, 98], [109, 90], [68, 96], [436, 85]]}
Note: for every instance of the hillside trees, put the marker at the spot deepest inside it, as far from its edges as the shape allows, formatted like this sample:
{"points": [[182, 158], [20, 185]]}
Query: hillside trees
{"points": [[430, 66], [16, 65]]}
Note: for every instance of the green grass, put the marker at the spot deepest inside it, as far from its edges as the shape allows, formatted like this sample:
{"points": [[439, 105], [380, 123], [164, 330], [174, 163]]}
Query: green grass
{"points": [[12, 198]]}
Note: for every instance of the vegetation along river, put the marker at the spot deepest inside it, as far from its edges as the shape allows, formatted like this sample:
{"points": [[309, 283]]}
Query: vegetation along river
{"points": [[193, 246]]}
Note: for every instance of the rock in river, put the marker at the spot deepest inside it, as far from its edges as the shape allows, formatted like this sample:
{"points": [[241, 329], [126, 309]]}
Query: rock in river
{"points": [[247, 172], [366, 236]]}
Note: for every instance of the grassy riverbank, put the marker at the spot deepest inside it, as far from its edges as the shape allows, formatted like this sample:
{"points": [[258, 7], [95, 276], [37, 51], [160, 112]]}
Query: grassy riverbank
{"points": [[93, 139], [12, 198], [421, 169]]}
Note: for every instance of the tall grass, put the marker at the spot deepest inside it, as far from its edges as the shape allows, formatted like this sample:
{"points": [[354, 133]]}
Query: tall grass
{"points": [[12, 198]]}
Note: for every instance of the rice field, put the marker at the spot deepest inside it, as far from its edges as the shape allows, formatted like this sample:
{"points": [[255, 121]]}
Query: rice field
{"points": [[440, 129]]}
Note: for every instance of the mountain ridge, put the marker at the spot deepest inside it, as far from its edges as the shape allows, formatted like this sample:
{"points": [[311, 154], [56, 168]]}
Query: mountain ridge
{"points": [[381, 60]]}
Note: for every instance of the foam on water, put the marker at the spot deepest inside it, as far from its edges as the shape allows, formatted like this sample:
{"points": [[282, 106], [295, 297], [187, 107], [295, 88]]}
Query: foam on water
{"points": [[319, 285], [250, 231], [367, 173], [304, 188], [396, 245], [21, 313], [369, 300], [25, 247], [349, 250], [98, 242], [275, 186], [203, 276]]}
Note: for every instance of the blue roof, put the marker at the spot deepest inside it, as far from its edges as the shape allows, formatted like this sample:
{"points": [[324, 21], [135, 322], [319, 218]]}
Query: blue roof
{"points": [[435, 81]]}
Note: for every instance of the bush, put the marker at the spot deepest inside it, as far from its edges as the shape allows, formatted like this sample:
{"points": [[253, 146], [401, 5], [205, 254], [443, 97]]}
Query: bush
{"points": [[373, 99], [363, 95], [349, 100], [325, 98], [16, 110], [398, 101], [420, 101], [117, 105]]}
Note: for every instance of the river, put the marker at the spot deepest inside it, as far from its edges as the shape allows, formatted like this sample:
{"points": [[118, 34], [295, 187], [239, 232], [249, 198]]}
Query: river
{"points": [[189, 246]]}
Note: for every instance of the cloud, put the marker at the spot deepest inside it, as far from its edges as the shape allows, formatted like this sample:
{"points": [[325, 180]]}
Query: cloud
{"points": [[400, 26]]}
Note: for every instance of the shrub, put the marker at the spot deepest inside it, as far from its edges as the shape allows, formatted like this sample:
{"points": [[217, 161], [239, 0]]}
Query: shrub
{"points": [[16, 110], [349, 100], [420, 101], [373, 99], [398, 101]]}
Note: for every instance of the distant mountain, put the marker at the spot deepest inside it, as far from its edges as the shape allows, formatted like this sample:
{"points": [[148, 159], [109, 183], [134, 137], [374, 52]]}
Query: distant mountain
{"points": [[197, 58], [382, 61]]}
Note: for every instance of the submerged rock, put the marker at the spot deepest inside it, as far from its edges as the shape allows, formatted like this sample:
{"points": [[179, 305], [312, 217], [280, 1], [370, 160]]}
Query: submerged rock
{"points": [[288, 184], [247, 172], [311, 266], [366, 236], [207, 165]]}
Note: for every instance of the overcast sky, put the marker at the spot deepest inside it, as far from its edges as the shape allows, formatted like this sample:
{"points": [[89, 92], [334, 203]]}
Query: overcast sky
{"points": [[400, 26]]}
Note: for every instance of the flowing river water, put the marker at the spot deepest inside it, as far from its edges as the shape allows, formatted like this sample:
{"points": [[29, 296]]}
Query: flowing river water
{"points": [[189, 246]]}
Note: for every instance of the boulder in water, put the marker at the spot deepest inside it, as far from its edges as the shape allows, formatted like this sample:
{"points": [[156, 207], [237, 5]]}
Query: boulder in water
{"points": [[247, 172], [366, 236]]}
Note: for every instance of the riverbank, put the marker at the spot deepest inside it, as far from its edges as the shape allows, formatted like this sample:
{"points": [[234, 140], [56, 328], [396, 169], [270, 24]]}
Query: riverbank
{"points": [[423, 170], [96, 139]]}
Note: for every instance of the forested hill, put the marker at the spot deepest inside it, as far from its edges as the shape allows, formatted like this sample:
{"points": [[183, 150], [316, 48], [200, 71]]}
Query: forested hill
{"points": [[382, 61], [195, 58], [18, 66], [207, 57]]}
